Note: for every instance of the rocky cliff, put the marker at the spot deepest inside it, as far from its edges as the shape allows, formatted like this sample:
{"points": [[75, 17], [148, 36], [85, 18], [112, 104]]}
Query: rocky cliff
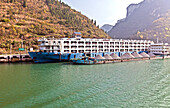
{"points": [[144, 21], [106, 27]]}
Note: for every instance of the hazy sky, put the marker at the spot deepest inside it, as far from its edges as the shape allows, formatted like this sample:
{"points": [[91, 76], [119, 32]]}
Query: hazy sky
{"points": [[104, 11]]}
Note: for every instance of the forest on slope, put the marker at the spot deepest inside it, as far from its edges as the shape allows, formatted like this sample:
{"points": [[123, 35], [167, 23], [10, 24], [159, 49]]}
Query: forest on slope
{"points": [[28, 20], [159, 29]]}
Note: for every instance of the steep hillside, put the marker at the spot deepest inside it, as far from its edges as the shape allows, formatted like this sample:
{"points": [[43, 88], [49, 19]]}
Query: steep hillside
{"points": [[159, 28], [147, 17], [32, 19], [106, 27]]}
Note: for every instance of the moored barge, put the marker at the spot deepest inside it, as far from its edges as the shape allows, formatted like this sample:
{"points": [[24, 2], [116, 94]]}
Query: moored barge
{"points": [[66, 49]]}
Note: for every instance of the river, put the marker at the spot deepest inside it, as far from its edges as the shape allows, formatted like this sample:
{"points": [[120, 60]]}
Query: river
{"points": [[62, 85]]}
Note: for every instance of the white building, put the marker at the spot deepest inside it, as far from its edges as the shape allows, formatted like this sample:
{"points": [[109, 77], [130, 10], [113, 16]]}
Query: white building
{"points": [[85, 45], [160, 48]]}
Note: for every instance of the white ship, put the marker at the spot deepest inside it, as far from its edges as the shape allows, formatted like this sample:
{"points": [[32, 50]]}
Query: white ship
{"points": [[160, 48], [68, 48]]}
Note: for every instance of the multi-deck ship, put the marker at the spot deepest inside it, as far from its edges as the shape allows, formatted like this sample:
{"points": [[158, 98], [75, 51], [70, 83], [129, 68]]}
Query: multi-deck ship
{"points": [[160, 48], [65, 49]]}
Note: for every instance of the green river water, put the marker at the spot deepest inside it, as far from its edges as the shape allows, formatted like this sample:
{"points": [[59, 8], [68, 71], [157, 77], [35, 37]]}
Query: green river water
{"points": [[136, 84]]}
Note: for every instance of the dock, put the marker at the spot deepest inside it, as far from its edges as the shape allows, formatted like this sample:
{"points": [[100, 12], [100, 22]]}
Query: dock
{"points": [[15, 58]]}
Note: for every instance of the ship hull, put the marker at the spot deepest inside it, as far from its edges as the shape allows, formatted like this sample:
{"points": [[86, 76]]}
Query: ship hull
{"points": [[43, 57], [83, 62]]}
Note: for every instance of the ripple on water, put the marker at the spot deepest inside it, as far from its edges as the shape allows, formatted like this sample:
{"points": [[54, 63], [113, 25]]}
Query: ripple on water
{"points": [[128, 84]]}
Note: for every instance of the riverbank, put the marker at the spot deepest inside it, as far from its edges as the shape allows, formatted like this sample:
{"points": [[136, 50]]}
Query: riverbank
{"points": [[15, 58]]}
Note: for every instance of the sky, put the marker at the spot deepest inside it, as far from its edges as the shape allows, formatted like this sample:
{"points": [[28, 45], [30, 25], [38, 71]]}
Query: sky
{"points": [[103, 11]]}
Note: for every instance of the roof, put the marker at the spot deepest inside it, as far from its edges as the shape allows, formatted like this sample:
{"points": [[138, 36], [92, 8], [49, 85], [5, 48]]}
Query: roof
{"points": [[77, 33]]}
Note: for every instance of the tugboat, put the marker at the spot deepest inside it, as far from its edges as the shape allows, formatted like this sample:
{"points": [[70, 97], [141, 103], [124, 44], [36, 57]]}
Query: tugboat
{"points": [[89, 60], [84, 61]]}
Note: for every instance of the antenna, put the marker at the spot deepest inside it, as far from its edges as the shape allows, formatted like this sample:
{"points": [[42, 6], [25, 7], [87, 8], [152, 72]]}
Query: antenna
{"points": [[157, 39]]}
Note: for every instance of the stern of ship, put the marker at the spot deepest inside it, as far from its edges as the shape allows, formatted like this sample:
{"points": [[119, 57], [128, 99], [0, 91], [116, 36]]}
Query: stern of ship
{"points": [[42, 57]]}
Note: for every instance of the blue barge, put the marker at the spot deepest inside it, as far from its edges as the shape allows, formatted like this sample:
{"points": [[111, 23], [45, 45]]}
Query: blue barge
{"points": [[45, 57]]}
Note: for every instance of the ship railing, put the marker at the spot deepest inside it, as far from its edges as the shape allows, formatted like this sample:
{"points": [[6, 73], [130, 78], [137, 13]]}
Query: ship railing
{"points": [[66, 43], [81, 44]]}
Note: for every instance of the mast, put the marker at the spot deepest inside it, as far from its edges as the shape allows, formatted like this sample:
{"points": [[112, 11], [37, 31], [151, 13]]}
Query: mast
{"points": [[157, 39]]}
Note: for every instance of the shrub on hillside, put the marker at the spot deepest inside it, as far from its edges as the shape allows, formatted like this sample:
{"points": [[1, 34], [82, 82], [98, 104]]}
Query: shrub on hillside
{"points": [[5, 20], [1, 51], [35, 47]]}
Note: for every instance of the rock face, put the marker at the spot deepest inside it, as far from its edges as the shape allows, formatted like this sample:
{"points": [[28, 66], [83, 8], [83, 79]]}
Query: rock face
{"points": [[140, 17], [106, 27], [131, 8]]}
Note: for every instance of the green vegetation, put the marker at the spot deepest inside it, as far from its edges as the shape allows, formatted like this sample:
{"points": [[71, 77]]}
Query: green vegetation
{"points": [[160, 28], [40, 18], [25, 3], [5, 20]]}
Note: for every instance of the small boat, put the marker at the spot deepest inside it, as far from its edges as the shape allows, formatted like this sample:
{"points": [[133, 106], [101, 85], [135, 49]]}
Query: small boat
{"points": [[84, 61], [90, 61]]}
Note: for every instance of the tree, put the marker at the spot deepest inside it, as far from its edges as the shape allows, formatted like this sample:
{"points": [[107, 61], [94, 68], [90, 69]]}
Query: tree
{"points": [[8, 1], [2, 31], [92, 20], [95, 22], [12, 1], [1, 51], [25, 3], [57, 2]]}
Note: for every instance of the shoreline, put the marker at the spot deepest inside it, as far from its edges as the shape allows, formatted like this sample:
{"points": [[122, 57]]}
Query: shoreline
{"points": [[25, 58]]}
